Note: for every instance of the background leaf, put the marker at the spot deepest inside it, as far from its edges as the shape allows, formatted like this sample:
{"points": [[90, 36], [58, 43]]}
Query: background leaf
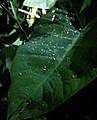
{"points": [[44, 4], [84, 59], [7, 54], [85, 4]]}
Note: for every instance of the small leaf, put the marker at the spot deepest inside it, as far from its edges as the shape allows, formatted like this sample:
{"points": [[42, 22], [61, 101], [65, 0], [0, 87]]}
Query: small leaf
{"points": [[7, 54], [18, 42], [12, 32], [13, 9], [85, 4]]}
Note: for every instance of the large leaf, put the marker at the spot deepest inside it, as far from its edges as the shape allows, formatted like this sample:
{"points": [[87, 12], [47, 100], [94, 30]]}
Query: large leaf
{"points": [[43, 75], [37, 85], [43, 4]]}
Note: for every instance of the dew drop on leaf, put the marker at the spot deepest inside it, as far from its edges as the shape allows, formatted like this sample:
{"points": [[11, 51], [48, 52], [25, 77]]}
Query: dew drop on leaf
{"points": [[54, 58], [42, 50], [44, 67], [67, 32], [73, 76], [20, 74], [21, 98]]}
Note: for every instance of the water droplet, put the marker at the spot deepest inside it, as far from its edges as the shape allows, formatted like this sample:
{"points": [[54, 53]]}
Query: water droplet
{"points": [[20, 74], [42, 50], [54, 58], [66, 15], [21, 98], [80, 29], [70, 23], [73, 76], [23, 55], [26, 88], [30, 76], [50, 50], [54, 46], [76, 31], [44, 69], [67, 32]]}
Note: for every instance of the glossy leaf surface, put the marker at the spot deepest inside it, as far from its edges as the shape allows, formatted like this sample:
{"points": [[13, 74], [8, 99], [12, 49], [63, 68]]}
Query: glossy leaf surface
{"points": [[44, 71], [36, 69]]}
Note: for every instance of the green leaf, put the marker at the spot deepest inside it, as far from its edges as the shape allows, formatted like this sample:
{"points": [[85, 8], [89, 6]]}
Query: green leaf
{"points": [[13, 9], [7, 54], [43, 4], [18, 42], [85, 56], [85, 4], [40, 77], [48, 69]]}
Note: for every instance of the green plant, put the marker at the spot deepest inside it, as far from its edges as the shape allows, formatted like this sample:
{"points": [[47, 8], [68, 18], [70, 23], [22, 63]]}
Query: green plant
{"points": [[85, 4], [48, 61]]}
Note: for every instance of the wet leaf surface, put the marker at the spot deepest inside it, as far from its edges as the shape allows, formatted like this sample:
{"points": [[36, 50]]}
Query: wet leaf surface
{"points": [[37, 71]]}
